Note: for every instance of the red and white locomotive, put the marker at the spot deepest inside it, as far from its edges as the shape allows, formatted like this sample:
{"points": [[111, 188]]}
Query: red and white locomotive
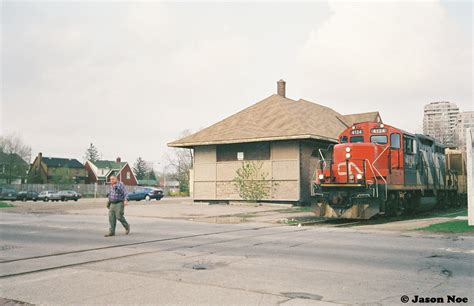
{"points": [[379, 169]]}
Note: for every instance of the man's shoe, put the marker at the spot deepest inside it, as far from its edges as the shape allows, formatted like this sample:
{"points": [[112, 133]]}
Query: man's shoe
{"points": [[127, 231], [109, 235]]}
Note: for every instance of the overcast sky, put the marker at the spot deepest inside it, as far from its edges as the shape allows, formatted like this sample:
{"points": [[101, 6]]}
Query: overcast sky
{"points": [[129, 77]]}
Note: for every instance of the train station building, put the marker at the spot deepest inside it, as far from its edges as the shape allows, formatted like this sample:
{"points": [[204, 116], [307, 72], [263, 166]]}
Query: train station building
{"points": [[285, 135]]}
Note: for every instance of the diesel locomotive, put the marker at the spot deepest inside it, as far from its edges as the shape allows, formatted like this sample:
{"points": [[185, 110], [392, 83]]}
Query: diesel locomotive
{"points": [[377, 169]]}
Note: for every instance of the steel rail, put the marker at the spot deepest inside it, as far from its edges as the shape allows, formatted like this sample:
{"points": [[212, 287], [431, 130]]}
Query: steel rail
{"points": [[131, 244], [146, 252]]}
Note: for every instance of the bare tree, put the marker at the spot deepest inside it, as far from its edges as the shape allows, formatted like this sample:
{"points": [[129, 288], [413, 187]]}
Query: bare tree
{"points": [[180, 162], [15, 158]]}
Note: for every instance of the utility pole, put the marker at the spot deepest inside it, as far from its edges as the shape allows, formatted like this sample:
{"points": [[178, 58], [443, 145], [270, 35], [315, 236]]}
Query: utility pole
{"points": [[470, 177]]}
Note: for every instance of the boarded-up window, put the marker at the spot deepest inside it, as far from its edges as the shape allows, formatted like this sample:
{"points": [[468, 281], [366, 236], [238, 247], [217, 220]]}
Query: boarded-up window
{"points": [[250, 151]]}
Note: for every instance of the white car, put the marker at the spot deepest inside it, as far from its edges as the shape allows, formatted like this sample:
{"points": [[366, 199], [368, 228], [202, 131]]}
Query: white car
{"points": [[48, 195]]}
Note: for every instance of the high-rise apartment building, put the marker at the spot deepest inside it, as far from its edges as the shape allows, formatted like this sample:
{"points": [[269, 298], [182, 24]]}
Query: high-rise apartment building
{"points": [[465, 121], [440, 120]]}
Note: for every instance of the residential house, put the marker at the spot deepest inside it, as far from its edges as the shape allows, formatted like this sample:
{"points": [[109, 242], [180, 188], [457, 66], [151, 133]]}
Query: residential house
{"points": [[13, 169], [100, 171], [46, 170], [282, 134], [171, 186]]}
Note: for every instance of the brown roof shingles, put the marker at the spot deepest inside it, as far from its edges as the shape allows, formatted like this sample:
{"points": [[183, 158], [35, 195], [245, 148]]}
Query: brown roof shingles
{"points": [[362, 117], [274, 118]]}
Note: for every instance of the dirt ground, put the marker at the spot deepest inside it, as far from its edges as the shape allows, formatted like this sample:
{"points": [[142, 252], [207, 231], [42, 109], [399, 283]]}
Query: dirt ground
{"points": [[186, 209]]}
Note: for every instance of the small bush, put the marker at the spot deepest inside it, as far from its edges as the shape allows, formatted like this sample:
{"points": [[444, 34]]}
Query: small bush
{"points": [[5, 205]]}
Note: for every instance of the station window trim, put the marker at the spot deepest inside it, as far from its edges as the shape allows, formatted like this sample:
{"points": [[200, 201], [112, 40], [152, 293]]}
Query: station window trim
{"points": [[249, 151]]}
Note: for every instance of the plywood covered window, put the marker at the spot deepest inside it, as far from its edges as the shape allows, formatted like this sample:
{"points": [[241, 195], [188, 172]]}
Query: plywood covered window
{"points": [[246, 151]]}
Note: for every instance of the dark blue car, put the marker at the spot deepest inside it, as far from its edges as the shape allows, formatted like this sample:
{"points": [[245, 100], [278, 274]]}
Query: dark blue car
{"points": [[145, 193]]}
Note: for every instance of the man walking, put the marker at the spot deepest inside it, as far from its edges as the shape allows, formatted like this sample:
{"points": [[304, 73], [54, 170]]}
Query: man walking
{"points": [[118, 198]]}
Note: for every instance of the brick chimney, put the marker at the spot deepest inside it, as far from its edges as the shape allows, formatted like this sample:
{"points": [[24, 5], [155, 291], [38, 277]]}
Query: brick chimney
{"points": [[118, 159], [281, 88]]}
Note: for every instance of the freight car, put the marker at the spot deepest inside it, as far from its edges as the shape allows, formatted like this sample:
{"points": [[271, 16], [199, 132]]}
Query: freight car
{"points": [[377, 169]]}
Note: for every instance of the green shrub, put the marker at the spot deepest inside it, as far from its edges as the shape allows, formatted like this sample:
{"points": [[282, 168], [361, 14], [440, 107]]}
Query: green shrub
{"points": [[251, 181]]}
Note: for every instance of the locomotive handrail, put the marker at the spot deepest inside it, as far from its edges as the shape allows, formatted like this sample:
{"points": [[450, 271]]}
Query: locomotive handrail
{"points": [[372, 167], [322, 156], [375, 176]]}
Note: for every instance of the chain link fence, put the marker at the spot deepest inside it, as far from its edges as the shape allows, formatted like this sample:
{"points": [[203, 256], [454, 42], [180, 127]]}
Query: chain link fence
{"points": [[87, 190]]}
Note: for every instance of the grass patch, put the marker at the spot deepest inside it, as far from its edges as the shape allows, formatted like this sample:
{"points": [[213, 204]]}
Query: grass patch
{"points": [[297, 209], [5, 204], [302, 220], [456, 226], [451, 213], [240, 215], [446, 213]]}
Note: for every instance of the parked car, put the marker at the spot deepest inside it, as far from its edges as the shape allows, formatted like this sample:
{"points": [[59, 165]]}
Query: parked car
{"points": [[146, 193], [66, 195], [27, 196], [48, 195], [7, 194]]}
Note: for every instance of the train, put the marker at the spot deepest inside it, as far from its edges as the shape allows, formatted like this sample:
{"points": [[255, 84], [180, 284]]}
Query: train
{"points": [[379, 170]]}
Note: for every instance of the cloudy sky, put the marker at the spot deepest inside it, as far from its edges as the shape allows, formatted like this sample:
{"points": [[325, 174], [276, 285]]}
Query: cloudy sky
{"points": [[130, 77]]}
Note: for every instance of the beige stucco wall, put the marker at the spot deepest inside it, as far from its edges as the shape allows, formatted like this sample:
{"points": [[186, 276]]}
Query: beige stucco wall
{"points": [[213, 180]]}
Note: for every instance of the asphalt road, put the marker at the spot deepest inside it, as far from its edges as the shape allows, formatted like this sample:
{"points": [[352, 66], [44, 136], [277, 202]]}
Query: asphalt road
{"points": [[64, 259]]}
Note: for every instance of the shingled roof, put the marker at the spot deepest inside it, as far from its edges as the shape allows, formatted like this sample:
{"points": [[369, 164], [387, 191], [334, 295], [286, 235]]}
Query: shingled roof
{"points": [[362, 117], [57, 162], [274, 118], [109, 164]]}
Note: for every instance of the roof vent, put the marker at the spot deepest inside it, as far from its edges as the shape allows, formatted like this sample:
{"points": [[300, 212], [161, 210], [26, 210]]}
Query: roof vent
{"points": [[281, 88]]}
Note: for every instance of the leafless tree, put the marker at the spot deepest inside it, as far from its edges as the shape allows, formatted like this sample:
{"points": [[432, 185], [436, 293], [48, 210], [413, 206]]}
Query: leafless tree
{"points": [[179, 162], [15, 158]]}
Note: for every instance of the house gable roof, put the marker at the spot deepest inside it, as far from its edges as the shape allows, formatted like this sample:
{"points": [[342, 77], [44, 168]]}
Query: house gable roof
{"points": [[274, 118], [112, 167], [56, 162], [108, 164]]}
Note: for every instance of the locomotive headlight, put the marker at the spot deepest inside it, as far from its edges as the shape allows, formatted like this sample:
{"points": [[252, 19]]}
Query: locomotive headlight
{"points": [[348, 149], [348, 155], [359, 176], [321, 176]]}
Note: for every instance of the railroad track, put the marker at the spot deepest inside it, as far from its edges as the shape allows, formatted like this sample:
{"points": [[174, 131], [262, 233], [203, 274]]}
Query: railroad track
{"points": [[74, 264]]}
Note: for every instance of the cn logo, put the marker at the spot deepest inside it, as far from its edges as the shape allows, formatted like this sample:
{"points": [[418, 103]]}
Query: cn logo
{"points": [[352, 166]]}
